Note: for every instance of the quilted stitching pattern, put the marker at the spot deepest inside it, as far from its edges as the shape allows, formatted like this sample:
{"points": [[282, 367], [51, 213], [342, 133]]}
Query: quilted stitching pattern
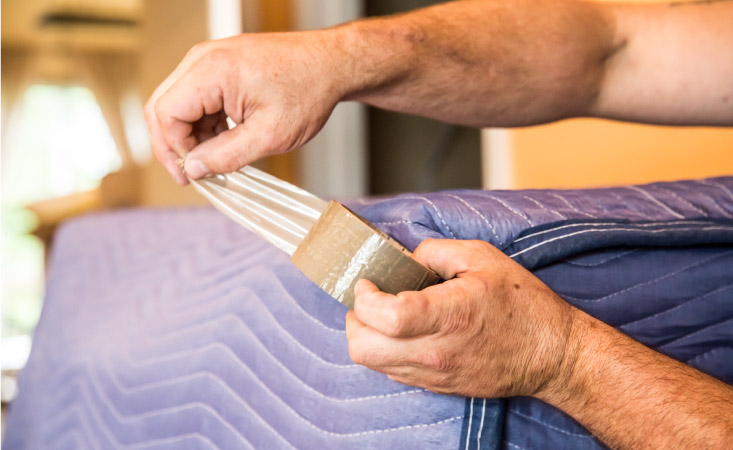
{"points": [[177, 329], [181, 340], [412, 218]]}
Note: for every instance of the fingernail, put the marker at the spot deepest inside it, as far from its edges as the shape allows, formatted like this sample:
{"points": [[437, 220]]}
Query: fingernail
{"points": [[195, 168]]}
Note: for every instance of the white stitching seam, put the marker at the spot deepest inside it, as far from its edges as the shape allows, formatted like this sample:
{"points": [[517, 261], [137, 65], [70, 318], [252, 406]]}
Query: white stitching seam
{"points": [[656, 200], [435, 208], [544, 207], [486, 221], [470, 421], [539, 244], [605, 224], [674, 194], [289, 408], [720, 186], [207, 373], [556, 195], [514, 211], [713, 201], [274, 359], [481, 427]]}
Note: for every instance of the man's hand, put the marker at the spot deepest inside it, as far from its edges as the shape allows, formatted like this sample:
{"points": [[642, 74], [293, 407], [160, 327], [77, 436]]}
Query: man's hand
{"points": [[494, 330], [491, 330], [279, 89]]}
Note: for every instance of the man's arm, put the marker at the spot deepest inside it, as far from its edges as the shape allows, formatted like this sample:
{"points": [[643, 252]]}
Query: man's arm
{"points": [[472, 62], [676, 66], [498, 63], [494, 330], [485, 62], [632, 397]]}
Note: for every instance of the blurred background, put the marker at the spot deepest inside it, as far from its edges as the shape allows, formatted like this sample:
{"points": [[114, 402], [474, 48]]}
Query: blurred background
{"points": [[76, 73]]}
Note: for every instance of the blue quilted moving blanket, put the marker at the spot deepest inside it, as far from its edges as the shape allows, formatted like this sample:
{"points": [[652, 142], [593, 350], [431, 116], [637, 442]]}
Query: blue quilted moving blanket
{"points": [[179, 329]]}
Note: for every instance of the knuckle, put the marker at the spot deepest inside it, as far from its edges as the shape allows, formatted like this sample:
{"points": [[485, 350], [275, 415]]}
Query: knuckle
{"points": [[197, 49], [412, 304], [414, 300], [362, 301], [484, 251], [270, 142], [159, 109], [435, 359], [217, 56], [420, 251], [394, 320], [426, 246], [480, 285], [160, 154], [187, 143]]}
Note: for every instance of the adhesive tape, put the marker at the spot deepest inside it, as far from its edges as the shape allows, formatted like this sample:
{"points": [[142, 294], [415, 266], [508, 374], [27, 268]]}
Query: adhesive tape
{"points": [[341, 248]]}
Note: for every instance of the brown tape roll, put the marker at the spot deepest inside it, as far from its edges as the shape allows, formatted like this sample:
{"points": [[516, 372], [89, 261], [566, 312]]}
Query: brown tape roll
{"points": [[342, 248]]}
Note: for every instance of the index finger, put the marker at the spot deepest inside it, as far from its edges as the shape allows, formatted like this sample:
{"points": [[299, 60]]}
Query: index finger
{"points": [[406, 314], [167, 157], [163, 152]]}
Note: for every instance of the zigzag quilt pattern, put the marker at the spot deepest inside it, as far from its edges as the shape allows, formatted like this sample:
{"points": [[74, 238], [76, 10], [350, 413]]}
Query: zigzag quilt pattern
{"points": [[179, 329]]}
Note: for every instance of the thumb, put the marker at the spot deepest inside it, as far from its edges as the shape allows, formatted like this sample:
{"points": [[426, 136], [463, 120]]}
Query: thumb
{"points": [[228, 151], [449, 258]]}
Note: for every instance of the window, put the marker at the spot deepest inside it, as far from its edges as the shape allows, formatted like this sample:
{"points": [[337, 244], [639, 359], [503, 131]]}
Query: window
{"points": [[59, 145]]}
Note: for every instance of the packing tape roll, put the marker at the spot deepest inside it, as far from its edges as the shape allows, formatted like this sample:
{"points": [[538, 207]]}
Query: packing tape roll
{"points": [[341, 248]]}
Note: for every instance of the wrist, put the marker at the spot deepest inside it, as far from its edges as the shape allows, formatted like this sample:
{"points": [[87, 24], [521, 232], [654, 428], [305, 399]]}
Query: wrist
{"points": [[569, 383]]}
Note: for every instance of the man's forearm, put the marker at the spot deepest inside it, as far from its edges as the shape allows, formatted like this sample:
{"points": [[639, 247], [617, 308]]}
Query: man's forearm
{"points": [[632, 397], [524, 62], [482, 63]]}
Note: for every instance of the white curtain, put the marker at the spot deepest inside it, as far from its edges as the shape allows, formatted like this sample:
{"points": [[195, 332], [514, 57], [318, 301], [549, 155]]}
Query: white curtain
{"points": [[111, 77]]}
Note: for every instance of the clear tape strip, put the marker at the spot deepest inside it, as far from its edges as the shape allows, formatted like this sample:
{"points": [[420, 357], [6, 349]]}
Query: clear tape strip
{"points": [[272, 208]]}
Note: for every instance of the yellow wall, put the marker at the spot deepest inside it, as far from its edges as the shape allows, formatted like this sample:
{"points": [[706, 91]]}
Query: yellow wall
{"points": [[170, 29], [590, 152]]}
